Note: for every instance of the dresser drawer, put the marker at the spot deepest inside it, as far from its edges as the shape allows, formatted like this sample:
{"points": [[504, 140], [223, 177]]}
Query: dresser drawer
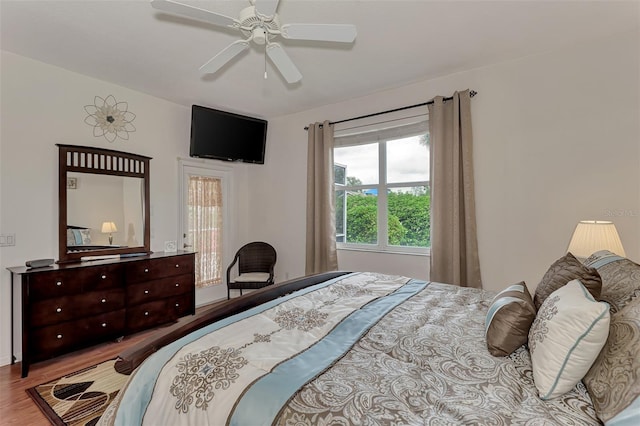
{"points": [[181, 304], [157, 289], [53, 311], [55, 339], [46, 285], [148, 315], [157, 268]]}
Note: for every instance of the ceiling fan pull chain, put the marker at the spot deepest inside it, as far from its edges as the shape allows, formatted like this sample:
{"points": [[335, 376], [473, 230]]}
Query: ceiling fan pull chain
{"points": [[265, 59]]}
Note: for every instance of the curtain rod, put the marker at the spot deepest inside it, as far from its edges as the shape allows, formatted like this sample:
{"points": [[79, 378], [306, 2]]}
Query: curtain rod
{"points": [[471, 93]]}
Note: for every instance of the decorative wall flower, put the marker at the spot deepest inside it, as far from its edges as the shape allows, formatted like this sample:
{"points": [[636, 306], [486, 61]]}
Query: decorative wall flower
{"points": [[109, 118]]}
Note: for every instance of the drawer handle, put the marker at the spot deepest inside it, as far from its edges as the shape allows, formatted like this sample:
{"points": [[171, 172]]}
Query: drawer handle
{"points": [[177, 265], [104, 324], [58, 310], [177, 284], [146, 313], [59, 336], [146, 292], [177, 305], [146, 270], [59, 283], [104, 276], [104, 300]]}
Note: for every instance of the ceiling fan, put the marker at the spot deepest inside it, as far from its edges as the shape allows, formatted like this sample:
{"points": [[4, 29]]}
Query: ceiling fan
{"points": [[260, 23]]}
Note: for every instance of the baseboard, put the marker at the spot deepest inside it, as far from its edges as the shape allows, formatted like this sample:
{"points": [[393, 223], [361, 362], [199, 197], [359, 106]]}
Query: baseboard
{"points": [[6, 360]]}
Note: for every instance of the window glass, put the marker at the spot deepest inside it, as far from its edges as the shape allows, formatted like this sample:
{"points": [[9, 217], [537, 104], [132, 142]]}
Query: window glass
{"points": [[340, 174], [360, 162], [408, 216], [408, 160], [340, 216], [382, 192], [362, 217]]}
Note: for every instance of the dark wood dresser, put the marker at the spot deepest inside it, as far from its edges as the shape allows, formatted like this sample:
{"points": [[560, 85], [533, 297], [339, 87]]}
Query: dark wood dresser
{"points": [[69, 306]]}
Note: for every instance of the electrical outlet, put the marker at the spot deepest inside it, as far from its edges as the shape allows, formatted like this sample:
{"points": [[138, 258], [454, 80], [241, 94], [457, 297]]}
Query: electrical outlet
{"points": [[7, 240]]}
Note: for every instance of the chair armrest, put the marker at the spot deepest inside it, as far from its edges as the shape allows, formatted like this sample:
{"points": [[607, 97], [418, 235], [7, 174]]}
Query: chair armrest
{"points": [[235, 259]]}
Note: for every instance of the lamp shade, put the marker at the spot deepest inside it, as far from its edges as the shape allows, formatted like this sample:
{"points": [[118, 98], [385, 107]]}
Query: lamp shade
{"points": [[108, 227], [594, 235]]}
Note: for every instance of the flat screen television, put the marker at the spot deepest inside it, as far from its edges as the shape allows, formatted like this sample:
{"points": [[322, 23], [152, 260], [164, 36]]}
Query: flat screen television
{"points": [[227, 136]]}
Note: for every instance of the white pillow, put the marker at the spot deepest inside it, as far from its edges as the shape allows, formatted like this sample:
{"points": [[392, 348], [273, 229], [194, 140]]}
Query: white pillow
{"points": [[566, 337]]}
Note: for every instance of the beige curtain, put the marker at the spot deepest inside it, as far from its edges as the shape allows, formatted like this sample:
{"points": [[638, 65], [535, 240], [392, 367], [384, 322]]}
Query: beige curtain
{"points": [[205, 227], [454, 247], [321, 253]]}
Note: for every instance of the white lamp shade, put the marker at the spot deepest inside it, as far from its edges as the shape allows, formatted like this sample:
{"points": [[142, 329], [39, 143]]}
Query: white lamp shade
{"points": [[108, 227], [591, 236]]}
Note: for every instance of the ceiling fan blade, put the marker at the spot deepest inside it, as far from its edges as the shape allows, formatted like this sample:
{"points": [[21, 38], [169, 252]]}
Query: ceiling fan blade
{"points": [[283, 63], [343, 33], [266, 7], [194, 13], [227, 54]]}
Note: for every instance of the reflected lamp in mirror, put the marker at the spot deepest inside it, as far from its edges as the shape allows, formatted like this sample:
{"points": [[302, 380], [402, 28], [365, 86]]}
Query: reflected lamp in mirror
{"points": [[591, 236], [109, 228]]}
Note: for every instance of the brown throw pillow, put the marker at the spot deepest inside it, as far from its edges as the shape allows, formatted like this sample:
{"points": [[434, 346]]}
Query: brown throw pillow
{"points": [[563, 270], [508, 320]]}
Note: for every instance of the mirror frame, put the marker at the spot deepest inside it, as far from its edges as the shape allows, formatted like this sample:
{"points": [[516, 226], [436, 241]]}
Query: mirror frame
{"points": [[83, 159]]}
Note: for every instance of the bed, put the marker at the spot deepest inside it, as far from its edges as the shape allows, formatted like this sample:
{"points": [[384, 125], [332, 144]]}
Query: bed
{"points": [[374, 349]]}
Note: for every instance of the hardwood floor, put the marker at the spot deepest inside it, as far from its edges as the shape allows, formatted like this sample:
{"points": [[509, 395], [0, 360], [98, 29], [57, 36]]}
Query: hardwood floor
{"points": [[17, 408], [15, 405]]}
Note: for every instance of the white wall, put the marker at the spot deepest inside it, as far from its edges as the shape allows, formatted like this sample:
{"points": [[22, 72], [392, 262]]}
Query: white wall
{"points": [[43, 105], [556, 140]]}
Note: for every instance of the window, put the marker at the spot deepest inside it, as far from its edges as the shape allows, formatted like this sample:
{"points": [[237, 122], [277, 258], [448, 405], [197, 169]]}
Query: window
{"points": [[204, 227], [382, 189]]}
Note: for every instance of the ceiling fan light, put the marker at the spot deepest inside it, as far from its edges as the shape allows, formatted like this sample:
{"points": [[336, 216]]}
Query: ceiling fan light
{"points": [[259, 35]]}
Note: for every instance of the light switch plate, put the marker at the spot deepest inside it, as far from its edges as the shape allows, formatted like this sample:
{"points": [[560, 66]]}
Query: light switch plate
{"points": [[7, 240]]}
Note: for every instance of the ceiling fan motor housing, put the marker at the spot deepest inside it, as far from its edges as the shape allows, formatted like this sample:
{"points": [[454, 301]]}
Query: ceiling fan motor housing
{"points": [[260, 30]]}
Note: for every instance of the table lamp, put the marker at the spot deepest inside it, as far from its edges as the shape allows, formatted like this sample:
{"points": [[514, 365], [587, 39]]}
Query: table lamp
{"points": [[109, 228], [594, 235]]}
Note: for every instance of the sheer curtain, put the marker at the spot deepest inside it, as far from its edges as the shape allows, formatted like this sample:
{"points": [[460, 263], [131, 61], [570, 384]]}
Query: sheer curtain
{"points": [[454, 247], [205, 227], [321, 253]]}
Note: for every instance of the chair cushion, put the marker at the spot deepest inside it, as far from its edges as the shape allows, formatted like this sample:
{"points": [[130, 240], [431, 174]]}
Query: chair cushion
{"points": [[250, 277]]}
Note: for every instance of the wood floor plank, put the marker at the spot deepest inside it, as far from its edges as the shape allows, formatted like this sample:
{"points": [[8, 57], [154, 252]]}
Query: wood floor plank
{"points": [[17, 408]]}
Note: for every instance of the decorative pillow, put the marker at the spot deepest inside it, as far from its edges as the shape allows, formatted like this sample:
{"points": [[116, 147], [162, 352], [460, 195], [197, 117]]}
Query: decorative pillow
{"points": [[566, 337], [613, 381], [562, 271], [620, 278], [71, 239], [509, 319]]}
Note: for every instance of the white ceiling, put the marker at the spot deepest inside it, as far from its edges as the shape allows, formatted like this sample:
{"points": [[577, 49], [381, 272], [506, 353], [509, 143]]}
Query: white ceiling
{"points": [[399, 42]]}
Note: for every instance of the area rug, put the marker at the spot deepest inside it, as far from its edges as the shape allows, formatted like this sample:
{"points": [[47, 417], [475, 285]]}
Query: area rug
{"points": [[81, 397]]}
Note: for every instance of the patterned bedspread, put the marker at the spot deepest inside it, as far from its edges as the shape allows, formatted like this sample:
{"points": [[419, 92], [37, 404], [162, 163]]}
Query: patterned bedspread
{"points": [[364, 348]]}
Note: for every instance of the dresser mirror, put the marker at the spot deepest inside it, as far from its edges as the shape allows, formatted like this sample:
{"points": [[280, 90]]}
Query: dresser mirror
{"points": [[103, 203]]}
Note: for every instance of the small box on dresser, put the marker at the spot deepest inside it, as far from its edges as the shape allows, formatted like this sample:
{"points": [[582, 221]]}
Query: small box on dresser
{"points": [[70, 306]]}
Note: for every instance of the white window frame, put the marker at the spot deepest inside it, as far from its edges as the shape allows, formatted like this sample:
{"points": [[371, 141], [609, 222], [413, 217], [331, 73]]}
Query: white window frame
{"points": [[380, 133]]}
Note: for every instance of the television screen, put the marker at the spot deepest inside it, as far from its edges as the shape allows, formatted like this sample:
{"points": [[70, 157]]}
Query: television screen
{"points": [[227, 136]]}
